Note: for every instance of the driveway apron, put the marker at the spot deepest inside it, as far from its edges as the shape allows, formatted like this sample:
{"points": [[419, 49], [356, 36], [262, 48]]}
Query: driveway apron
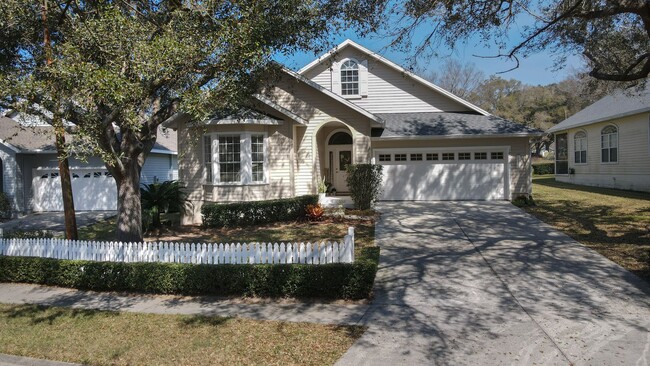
{"points": [[485, 283]]}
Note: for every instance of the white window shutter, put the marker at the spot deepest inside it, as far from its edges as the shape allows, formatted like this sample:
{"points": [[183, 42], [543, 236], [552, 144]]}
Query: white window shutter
{"points": [[336, 78], [363, 78]]}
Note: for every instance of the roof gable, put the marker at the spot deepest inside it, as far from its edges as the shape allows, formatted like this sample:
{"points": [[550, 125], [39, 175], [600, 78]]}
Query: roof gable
{"points": [[616, 105], [396, 70]]}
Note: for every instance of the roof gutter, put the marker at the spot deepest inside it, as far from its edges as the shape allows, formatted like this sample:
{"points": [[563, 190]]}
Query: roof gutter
{"points": [[457, 137]]}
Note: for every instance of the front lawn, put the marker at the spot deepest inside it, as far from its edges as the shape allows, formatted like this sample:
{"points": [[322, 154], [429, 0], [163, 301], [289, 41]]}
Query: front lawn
{"points": [[300, 231], [119, 338], [615, 223]]}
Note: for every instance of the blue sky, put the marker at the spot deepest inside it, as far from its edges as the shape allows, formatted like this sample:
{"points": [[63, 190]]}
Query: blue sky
{"points": [[534, 70]]}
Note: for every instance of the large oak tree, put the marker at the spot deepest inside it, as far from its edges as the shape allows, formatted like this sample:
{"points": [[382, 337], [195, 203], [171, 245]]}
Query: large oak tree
{"points": [[612, 35], [120, 68]]}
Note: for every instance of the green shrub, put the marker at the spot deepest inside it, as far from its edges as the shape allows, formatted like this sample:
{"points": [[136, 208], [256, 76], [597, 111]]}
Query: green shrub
{"points": [[364, 182], [5, 206], [256, 212], [157, 198], [544, 168], [330, 281]]}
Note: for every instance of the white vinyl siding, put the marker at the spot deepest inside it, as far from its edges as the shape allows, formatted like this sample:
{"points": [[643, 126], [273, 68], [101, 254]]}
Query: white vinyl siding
{"points": [[159, 168], [630, 171], [388, 91]]}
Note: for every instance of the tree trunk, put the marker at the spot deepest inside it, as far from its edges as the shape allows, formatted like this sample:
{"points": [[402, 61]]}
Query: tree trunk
{"points": [[66, 181], [129, 209], [59, 138]]}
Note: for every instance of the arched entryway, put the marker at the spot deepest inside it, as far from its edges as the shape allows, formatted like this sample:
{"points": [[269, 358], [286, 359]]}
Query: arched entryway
{"points": [[336, 152]]}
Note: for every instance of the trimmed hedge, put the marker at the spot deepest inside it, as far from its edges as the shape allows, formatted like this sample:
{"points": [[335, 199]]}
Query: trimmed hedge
{"points": [[330, 281], [256, 212], [545, 168]]}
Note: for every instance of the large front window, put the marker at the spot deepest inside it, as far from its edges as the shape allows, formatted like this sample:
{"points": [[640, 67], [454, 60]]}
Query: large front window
{"points": [[238, 158], [350, 78], [609, 144], [229, 159]]}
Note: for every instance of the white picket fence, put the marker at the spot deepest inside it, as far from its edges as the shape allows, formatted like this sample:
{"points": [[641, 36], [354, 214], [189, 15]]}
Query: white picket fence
{"points": [[205, 253]]}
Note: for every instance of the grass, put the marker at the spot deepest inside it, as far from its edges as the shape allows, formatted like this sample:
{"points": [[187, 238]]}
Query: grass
{"points": [[328, 229], [615, 223], [116, 338]]}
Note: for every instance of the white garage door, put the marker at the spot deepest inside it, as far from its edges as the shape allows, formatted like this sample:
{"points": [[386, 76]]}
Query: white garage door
{"points": [[93, 189], [459, 174]]}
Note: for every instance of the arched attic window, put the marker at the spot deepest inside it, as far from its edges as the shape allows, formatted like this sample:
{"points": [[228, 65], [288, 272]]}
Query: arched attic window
{"points": [[350, 78]]}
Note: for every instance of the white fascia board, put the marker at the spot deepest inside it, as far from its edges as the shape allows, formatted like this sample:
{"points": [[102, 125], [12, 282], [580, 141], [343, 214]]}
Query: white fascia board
{"points": [[333, 95], [164, 152], [394, 66], [558, 127], [10, 146]]}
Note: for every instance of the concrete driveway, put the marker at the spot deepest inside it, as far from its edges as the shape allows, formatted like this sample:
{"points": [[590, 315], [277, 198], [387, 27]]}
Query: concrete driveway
{"points": [[484, 283], [53, 221]]}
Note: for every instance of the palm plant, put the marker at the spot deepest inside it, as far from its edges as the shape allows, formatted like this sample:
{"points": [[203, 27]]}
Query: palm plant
{"points": [[167, 196]]}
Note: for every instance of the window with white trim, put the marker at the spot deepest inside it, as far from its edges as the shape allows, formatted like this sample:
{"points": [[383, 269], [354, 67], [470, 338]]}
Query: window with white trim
{"points": [[609, 144], [464, 156], [229, 158], [400, 157], [207, 158], [384, 157], [350, 78], [235, 158], [257, 158], [432, 156], [480, 156], [416, 157], [496, 155], [448, 156], [580, 148]]}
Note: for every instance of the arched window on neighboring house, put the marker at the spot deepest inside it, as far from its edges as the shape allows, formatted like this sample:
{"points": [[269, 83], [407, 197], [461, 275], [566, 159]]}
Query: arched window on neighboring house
{"points": [[580, 147], [609, 144], [350, 78]]}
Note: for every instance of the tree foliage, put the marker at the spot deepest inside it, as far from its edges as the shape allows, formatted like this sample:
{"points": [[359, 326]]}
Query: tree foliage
{"points": [[460, 79], [538, 106], [612, 35], [122, 68]]}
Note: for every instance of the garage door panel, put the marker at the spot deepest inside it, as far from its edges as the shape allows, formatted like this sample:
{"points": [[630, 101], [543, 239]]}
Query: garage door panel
{"points": [[451, 181], [92, 190]]}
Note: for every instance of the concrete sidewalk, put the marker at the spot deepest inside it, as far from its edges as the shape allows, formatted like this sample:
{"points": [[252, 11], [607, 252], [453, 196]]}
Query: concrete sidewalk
{"points": [[315, 312]]}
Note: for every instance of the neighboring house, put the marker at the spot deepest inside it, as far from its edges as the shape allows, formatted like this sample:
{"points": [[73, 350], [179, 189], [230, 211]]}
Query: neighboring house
{"points": [[354, 106], [607, 144], [30, 168]]}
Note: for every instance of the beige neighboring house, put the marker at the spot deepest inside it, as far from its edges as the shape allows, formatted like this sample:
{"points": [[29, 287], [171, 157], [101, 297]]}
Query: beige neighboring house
{"points": [[607, 144], [353, 106]]}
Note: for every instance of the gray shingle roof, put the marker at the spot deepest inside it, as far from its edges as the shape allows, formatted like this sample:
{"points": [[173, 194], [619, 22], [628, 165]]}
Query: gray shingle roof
{"points": [[448, 124], [616, 105], [41, 138]]}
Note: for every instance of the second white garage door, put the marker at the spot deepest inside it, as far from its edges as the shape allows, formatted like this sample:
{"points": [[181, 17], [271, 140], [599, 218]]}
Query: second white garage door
{"points": [[93, 189], [430, 175]]}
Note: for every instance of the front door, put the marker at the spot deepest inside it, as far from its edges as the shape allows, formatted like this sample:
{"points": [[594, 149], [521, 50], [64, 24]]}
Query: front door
{"points": [[340, 158]]}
